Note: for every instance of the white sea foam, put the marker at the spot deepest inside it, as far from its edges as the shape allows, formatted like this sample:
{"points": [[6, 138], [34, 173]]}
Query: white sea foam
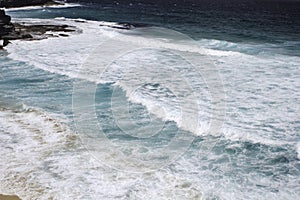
{"points": [[257, 110], [298, 150], [28, 136], [57, 55], [42, 159], [64, 5], [246, 77]]}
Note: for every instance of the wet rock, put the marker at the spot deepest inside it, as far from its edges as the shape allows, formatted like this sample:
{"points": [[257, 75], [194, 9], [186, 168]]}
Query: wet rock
{"points": [[16, 31], [63, 35], [6, 27]]}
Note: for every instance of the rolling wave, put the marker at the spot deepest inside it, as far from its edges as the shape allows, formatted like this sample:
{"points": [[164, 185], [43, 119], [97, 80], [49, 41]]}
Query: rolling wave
{"points": [[69, 57]]}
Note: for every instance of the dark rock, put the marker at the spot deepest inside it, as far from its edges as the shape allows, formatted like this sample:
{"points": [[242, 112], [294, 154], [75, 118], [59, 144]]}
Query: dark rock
{"points": [[5, 42], [17, 31], [26, 36], [4, 19], [63, 35], [40, 29], [12, 36], [6, 27], [133, 25], [126, 25], [80, 21]]}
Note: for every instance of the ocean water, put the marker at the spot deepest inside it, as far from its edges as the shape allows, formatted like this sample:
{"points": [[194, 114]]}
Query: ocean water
{"points": [[201, 101]]}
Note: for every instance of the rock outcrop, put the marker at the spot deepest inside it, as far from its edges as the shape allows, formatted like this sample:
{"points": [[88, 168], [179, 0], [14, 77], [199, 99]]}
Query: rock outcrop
{"points": [[6, 27], [15, 31]]}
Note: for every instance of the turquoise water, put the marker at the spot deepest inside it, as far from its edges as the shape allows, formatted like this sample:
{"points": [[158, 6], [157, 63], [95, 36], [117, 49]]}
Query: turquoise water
{"points": [[253, 155]]}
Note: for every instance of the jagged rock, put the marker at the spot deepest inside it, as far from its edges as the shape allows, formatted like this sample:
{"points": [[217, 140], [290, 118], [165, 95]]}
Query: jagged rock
{"points": [[26, 36], [63, 35], [6, 27], [16, 31], [4, 19]]}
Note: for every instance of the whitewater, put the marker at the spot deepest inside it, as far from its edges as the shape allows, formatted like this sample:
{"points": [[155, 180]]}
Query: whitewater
{"points": [[254, 153]]}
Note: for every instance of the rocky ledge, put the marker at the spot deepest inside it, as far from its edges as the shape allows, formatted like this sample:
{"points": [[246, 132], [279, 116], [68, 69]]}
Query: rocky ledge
{"points": [[16, 31]]}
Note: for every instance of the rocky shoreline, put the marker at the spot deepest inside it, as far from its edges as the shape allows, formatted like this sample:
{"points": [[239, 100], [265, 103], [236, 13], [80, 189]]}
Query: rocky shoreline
{"points": [[22, 31]]}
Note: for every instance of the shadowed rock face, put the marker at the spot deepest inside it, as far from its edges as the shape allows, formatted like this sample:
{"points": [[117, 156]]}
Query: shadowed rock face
{"points": [[5, 25], [4, 19], [20, 3], [16, 31]]}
